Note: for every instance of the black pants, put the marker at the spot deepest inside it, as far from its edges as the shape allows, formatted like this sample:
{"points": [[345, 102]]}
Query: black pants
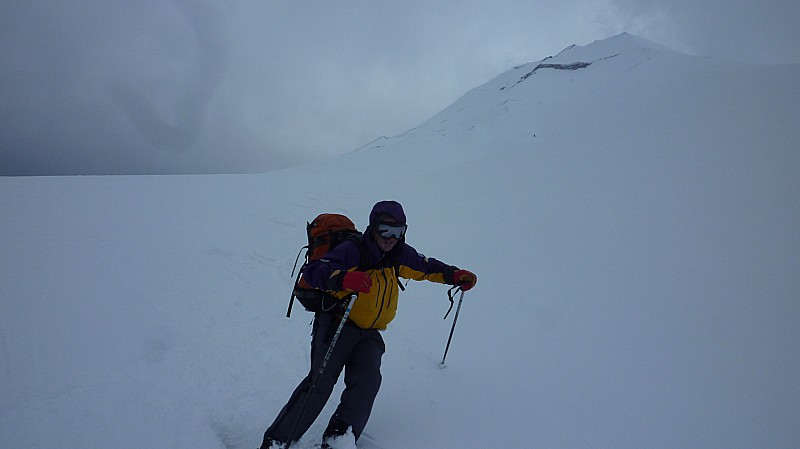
{"points": [[358, 352]]}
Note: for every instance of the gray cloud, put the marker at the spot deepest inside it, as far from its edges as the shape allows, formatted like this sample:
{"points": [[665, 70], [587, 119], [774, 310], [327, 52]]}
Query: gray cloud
{"points": [[206, 86], [193, 93], [762, 32]]}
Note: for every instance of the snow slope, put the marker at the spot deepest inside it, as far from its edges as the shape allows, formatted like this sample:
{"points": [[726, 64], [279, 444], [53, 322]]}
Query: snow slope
{"points": [[632, 214]]}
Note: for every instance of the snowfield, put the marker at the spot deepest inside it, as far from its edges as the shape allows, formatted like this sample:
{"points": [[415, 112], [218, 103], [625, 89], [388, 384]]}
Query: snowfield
{"points": [[634, 222]]}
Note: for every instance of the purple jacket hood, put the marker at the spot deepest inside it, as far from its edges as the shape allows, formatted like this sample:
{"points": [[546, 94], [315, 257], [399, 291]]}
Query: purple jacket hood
{"points": [[392, 208]]}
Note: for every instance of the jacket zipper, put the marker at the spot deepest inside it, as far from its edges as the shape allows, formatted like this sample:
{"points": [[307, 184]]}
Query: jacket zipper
{"points": [[382, 296]]}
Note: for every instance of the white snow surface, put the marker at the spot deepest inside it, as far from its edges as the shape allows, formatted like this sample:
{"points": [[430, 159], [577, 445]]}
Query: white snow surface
{"points": [[634, 225]]}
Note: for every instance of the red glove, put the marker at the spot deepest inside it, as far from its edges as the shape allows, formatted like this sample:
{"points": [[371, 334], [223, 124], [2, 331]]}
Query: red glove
{"points": [[466, 279], [357, 281]]}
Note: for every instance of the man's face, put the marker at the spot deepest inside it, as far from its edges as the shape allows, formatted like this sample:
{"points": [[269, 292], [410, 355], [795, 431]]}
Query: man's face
{"points": [[385, 244], [388, 234]]}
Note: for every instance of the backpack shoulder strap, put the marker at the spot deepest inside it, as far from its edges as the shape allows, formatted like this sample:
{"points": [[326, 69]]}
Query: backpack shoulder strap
{"points": [[397, 275]]}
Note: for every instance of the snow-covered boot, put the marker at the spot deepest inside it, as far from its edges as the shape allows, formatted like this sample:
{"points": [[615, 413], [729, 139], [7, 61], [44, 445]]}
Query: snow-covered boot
{"points": [[269, 443], [338, 435], [346, 441]]}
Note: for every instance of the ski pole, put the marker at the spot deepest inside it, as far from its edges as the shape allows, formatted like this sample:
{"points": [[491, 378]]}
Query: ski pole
{"points": [[336, 336], [455, 319], [321, 369]]}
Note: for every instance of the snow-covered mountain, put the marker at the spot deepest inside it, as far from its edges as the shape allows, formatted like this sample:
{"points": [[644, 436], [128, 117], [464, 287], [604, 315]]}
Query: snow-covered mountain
{"points": [[632, 214]]}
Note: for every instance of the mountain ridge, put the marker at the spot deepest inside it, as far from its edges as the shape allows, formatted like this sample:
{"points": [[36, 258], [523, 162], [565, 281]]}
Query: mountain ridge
{"points": [[533, 102]]}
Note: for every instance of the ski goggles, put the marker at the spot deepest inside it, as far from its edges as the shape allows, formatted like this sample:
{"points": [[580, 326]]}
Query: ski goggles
{"points": [[388, 231]]}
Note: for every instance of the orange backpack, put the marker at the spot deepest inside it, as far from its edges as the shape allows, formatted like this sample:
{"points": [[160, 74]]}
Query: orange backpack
{"points": [[325, 232]]}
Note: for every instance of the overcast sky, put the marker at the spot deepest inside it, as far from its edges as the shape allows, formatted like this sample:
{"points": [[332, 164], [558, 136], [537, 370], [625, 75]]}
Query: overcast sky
{"points": [[227, 86]]}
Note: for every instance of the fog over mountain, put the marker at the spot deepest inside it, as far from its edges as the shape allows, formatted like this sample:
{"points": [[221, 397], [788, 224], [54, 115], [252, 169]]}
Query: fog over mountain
{"points": [[110, 87]]}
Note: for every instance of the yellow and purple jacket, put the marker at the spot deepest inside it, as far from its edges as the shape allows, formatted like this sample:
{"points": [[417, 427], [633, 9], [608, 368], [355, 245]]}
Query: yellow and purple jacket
{"points": [[376, 309]]}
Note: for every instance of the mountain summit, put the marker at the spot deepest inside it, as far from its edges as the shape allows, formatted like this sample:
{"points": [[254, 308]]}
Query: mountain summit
{"points": [[610, 93]]}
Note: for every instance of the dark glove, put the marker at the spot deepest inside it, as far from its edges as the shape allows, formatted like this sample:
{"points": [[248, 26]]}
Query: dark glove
{"points": [[357, 281], [465, 279]]}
